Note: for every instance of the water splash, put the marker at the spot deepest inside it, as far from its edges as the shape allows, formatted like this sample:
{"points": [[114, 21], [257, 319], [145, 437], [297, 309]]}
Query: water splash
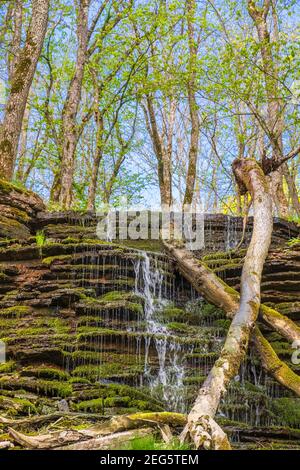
{"points": [[149, 282]]}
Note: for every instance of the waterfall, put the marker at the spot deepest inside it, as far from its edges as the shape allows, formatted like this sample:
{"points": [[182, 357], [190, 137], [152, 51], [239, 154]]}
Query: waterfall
{"points": [[149, 282], [232, 234]]}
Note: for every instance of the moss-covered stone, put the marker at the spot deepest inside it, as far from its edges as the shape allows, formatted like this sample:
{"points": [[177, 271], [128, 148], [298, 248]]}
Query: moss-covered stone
{"points": [[7, 367], [43, 387], [15, 311], [44, 372]]}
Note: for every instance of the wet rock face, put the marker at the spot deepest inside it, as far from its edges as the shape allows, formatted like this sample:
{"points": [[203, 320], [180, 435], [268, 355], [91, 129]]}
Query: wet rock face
{"points": [[221, 232], [96, 327]]}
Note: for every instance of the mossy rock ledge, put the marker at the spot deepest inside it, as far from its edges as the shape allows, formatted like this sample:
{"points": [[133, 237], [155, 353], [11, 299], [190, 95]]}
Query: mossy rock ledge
{"points": [[77, 337]]}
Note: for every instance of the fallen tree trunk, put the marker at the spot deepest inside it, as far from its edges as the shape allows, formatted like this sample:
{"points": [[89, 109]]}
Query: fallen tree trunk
{"points": [[49, 441], [277, 368], [35, 421], [217, 292], [201, 277], [201, 426], [117, 425], [110, 442]]}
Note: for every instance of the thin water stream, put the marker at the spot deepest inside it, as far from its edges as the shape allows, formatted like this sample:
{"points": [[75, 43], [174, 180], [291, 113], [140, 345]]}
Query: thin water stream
{"points": [[149, 281]]}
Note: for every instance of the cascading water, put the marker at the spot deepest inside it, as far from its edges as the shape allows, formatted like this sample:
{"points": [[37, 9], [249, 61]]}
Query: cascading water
{"points": [[149, 282]]}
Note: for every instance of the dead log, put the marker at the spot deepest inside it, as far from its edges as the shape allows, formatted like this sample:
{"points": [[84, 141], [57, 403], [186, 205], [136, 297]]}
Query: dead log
{"points": [[6, 445], [115, 425], [277, 368], [217, 292], [35, 421], [202, 278], [49, 441], [110, 442], [128, 422]]}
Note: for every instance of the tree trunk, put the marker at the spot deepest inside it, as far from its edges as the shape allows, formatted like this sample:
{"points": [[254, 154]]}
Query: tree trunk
{"points": [[23, 145], [70, 111], [163, 154], [23, 73], [275, 108], [293, 192], [201, 426], [193, 107]]}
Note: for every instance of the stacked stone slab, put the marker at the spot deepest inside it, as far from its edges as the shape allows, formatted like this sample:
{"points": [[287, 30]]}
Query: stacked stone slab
{"points": [[18, 210]]}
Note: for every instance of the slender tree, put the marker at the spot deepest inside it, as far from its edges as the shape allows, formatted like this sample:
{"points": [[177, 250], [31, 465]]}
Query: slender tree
{"points": [[21, 72]]}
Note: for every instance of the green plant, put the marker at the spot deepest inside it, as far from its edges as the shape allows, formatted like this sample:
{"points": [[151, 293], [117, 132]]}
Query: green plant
{"points": [[40, 238], [293, 242], [152, 443]]}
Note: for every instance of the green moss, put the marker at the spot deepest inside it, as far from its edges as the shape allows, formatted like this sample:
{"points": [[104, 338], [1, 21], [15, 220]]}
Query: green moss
{"points": [[116, 401], [222, 323], [293, 242], [224, 255], [114, 296], [194, 380], [181, 328], [46, 387], [7, 367], [153, 443], [50, 373], [17, 406], [31, 331], [95, 406], [113, 402], [109, 370], [102, 304], [51, 259], [7, 187], [113, 390], [91, 357], [16, 311], [79, 380], [174, 313], [145, 245], [287, 410]]}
